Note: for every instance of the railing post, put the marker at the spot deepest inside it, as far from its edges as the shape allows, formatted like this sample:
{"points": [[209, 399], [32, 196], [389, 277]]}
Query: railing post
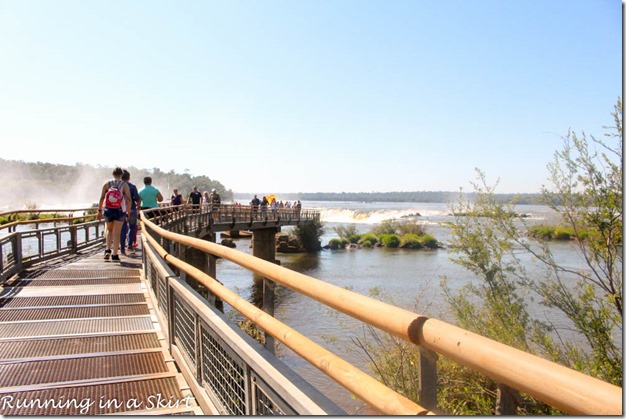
{"points": [[212, 272], [57, 233], [188, 220], [428, 378], [74, 239], [167, 244], [507, 400], [17, 252], [268, 307]]}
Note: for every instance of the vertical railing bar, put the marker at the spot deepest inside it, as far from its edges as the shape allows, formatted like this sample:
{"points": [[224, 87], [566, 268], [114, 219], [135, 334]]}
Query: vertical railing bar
{"points": [[171, 313], [248, 390], [18, 253], [198, 343], [41, 239], [58, 233], [2, 258]]}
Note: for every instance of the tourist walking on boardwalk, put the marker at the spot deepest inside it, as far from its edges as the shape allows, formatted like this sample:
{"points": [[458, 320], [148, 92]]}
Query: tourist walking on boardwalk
{"points": [[264, 204], [130, 226], [216, 200], [255, 205], [150, 196], [205, 199], [176, 199], [298, 207], [194, 199], [114, 206]]}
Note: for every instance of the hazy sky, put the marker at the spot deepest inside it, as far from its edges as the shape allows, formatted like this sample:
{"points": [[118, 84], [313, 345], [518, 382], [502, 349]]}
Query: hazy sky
{"points": [[308, 96]]}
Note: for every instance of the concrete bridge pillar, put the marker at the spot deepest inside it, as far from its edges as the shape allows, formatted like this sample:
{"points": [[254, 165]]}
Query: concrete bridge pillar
{"points": [[264, 247], [264, 243]]}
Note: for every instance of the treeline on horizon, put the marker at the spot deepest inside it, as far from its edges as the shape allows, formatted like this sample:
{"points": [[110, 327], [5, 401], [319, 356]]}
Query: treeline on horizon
{"points": [[416, 196], [51, 184], [44, 184]]}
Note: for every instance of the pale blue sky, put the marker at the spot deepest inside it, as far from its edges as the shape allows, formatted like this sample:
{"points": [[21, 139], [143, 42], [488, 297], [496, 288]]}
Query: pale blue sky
{"points": [[308, 96]]}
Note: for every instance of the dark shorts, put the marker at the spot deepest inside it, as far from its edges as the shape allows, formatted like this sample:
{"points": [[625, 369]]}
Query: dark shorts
{"points": [[114, 214]]}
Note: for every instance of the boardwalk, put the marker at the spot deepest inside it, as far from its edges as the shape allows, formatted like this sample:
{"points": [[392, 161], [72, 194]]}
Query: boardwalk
{"points": [[80, 337]]}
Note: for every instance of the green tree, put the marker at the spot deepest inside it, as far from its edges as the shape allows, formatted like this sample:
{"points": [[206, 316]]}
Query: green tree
{"points": [[586, 190], [308, 235]]}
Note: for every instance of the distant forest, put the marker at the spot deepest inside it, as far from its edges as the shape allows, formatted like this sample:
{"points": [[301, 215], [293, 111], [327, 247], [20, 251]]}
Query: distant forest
{"points": [[418, 196], [48, 185]]}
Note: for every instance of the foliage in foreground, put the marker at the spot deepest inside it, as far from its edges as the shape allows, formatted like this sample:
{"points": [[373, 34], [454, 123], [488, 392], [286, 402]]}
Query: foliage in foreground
{"points": [[587, 192]]}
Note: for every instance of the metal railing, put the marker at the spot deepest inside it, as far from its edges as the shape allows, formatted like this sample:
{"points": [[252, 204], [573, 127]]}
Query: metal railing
{"points": [[514, 370], [22, 249], [230, 373], [45, 216], [185, 218]]}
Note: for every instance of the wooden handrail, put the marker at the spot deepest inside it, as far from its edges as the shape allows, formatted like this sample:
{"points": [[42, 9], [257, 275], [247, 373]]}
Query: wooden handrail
{"points": [[364, 386], [45, 221], [568, 390], [10, 225]]}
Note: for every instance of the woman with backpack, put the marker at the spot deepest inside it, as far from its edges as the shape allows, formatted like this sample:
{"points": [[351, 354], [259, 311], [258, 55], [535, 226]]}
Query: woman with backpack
{"points": [[114, 206]]}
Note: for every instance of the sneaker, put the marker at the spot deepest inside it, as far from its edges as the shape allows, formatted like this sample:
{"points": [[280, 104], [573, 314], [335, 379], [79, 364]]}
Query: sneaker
{"points": [[131, 251], [115, 258], [107, 254], [124, 252]]}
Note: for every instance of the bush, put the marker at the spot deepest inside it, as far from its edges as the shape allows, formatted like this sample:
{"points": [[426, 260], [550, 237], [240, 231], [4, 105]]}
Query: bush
{"points": [[335, 244], [368, 237], [390, 240], [555, 233], [366, 244], [386, 227], [354, 238], [410, 227], [429, 241], [541, 232], [346, 231], [410, 241], [562, 234]]}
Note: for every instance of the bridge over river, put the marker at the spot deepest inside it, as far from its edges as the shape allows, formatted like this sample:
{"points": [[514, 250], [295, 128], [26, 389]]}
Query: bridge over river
{"points": [[79, 335]]}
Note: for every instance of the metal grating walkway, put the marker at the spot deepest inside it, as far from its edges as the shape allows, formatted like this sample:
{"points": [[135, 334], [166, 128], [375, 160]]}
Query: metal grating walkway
{"points": [[82, 338]]}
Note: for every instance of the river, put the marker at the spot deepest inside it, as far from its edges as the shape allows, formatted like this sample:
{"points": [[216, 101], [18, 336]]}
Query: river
{"points": [[410, 278]]}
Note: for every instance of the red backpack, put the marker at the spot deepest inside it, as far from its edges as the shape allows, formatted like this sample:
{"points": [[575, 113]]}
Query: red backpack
{"points": [[113, 197]]}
